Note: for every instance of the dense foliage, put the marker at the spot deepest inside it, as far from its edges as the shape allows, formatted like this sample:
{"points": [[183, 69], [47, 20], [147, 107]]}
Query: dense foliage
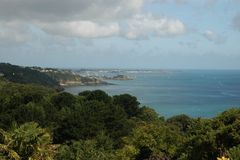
{"points": [[39, 123]]}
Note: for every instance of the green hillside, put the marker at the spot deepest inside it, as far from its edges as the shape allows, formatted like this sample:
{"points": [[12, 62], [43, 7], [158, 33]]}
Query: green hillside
{"points": [[67, 77], [25, 75]]}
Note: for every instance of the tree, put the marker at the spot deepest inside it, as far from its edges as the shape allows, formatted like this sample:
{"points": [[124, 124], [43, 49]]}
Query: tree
{"points": [[91, 118], [229, 116], [97, 95], [181, 121], [128, 103], [99, 148], [30, 112], [154, 140], [128, 152], [148, 115], [63, 99], [201, 141], [27, 142], [234, 153]]}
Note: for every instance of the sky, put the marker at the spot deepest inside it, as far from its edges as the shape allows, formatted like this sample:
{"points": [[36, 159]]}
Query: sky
{"points": [[157, 34]]}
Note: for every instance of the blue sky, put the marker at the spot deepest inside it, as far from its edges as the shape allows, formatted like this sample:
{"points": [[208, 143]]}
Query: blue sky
{"points": [[177, 34]]}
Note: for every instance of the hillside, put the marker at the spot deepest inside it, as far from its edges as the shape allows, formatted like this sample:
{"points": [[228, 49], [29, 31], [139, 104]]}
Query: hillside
{"points": [[25, 75], [67, 77], [50, 77]]}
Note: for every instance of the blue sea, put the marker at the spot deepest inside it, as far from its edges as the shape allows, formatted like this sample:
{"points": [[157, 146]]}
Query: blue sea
{"points": [[197, 93]]}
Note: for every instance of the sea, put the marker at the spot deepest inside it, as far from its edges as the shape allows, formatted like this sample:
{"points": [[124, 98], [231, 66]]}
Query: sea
{"points": [[196, 93]]}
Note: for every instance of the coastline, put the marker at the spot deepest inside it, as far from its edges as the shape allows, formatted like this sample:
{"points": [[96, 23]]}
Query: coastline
{"points": [[79, 84]]}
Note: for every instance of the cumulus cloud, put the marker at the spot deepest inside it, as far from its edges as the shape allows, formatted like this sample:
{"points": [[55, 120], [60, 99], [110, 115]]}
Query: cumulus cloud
{"points": [[85, 19], [214, 37], [59, 10], [142, 26], [13, 33], [84, 29], [138, 27]]}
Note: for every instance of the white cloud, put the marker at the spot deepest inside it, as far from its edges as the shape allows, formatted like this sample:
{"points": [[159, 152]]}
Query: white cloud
{"points": [[142, 26], [75, 18], [214, 37], [138, 27], [13, 33], [83, 29], [84, 19]]}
